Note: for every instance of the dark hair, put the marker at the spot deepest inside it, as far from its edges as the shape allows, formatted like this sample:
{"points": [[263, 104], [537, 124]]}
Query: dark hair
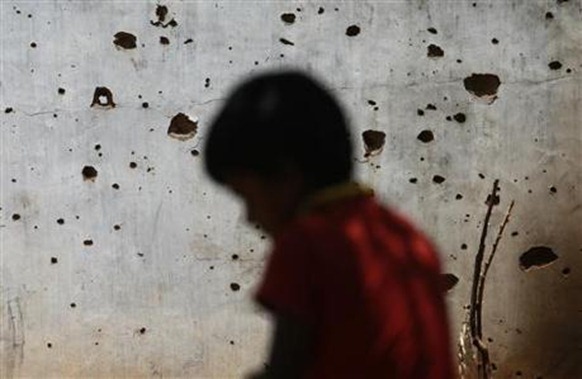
{"points": [[279, 120]]}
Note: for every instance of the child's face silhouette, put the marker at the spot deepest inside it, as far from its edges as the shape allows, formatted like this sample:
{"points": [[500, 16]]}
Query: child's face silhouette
{"points": [[271, 203]]}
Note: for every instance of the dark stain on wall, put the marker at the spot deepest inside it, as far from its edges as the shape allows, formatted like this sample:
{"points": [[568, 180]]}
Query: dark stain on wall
{"points": [[426, 136], [288, 18], [483, 86], [125, 40], [89, 173], [449, 281], [537, 257], [434, 51], [353, 30], [182, 128], [103, 97], [373, 141]]}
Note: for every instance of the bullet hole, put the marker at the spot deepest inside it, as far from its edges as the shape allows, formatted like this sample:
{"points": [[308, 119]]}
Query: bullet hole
{"points": [[373, 141], [458, 196], [49, 345], [88, 243], [431, 107], [285, 41], [420, 112], [15, 217], [553, 189], [103, 97], [116, 227], [231, 342], [549, 15], [132, 165], [164, 40], [189, 40], [194, 152], [496, 199], [207, 81], [125, 40], [555, 65], [9, 110], [161, 13], [73, 305], [182, 128], [288, 18], [13, 180], [449, 281], [481, 176], [54, 260], [353, 30], [568, 70], [425, 136], [371, 102], [464, 246], [115, 186], [518, 373], [434, 51], [234, 286], [60, 221], [495, 41], [96, 343], [483, 86], [235, 257], [562, 1], [320, 10], [89, 173], [140, 254], [61, 91], [432, 30], [438, 179], [514, 234], [413, 180], [97, 147], [33, 44], [566, 271], [537, 257]]}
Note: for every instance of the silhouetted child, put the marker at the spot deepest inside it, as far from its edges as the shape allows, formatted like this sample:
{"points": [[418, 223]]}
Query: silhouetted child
{"points": [[354, 288]]}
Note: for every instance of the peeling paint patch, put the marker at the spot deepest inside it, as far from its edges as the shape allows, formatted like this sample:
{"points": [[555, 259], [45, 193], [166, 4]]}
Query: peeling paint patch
{"points": [[125, 40], [537, 257], [103, 97], [483, 86], [182, 128], [373, 142]]}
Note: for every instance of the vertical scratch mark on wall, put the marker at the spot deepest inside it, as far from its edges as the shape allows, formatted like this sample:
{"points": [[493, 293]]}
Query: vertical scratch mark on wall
{"points": [[15, 355]]}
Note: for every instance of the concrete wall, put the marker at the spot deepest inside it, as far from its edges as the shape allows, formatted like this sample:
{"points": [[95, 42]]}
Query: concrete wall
{"points": [[132, 272]]}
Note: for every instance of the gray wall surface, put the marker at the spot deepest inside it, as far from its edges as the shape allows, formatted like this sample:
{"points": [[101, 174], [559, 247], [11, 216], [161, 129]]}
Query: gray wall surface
{"points": [[127, 269]]}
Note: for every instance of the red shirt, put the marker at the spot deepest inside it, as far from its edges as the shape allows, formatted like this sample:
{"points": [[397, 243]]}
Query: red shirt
{"points": [[369, 285]]}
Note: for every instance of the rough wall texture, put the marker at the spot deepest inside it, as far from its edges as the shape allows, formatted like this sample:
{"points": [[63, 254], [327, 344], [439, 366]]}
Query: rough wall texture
{"points": [[119, 257]]}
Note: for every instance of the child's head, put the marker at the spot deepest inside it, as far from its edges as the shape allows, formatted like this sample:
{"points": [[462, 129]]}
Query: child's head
{"points": [[279, 138]]}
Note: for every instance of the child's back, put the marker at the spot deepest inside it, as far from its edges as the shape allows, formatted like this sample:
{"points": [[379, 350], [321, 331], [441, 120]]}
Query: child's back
{"points": [[369, 285]]}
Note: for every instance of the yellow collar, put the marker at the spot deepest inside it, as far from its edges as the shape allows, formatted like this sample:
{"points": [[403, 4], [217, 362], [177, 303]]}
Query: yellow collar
{"points": [[335, 193]]}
